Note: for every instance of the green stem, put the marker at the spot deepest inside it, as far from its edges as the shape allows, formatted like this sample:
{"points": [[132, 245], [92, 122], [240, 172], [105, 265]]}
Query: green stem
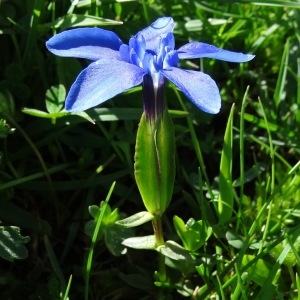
{"points": [[162, 268], [158, 233]]}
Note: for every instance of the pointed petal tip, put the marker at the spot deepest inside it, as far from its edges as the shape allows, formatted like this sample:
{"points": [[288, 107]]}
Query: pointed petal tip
{"points": [[250, 57], [215, 110], [200, 50]]}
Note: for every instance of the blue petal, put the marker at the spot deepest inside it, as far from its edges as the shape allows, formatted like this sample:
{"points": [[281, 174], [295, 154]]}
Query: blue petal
{"points": [[124, 53], [101, 81], [90, 43], [198, 50], [153, 33], [197, 86], [171, 59]]}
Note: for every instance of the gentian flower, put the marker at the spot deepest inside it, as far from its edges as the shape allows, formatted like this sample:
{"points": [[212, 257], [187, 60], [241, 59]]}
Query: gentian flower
{"points": [[149, 58]]}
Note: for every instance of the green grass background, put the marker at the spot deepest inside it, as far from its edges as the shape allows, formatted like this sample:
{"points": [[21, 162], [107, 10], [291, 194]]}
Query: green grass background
{"points": [[53, 165]]}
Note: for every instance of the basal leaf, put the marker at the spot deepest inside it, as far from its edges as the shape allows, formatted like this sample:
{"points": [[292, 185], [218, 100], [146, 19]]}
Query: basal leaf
{"points": [[143, 242], [136, 219], [174, 251]]}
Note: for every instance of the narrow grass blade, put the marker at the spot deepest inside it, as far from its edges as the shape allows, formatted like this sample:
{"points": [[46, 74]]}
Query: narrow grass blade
{"points": [[282, 75], [225, 200], [274, 274], [66, 295], [32, 177], [196, 144], [273, 3], [242, 154], [94, 239], [33, 30], [55, 264], [298, 90], [298, 286]]}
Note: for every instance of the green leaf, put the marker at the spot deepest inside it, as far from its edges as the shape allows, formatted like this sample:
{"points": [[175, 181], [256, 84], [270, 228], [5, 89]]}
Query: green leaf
{"points": [[89, 229], [11, 243], [94, 211], [174, 251], [114, 237], [193, 234], [234, 239], [5, 129], [7, 105], [259, 271], [43, 114], [55, 98], [225, 200], [136, 219], [56, 115], [107, 219], [184, 266], [179, 226], [200, 233], [289, 258], [35, 112], [143, 242], [155, 162], [113, 233]]}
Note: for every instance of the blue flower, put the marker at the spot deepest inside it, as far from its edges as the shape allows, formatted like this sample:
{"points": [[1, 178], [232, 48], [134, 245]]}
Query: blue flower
{"points": [[149, 58]]}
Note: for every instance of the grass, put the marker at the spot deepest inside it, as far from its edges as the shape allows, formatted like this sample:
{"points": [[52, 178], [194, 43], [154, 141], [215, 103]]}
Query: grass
{"points": [[243, 163]]}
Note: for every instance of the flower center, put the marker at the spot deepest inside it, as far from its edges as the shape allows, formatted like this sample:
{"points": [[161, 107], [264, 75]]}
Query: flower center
{"points": [[151, 61]]}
